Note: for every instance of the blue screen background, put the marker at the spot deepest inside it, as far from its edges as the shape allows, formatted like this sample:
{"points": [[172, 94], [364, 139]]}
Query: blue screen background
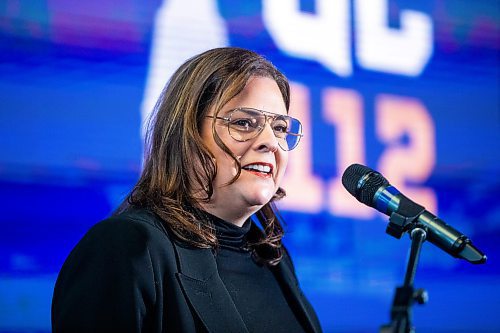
{"points": [[72, 82]]}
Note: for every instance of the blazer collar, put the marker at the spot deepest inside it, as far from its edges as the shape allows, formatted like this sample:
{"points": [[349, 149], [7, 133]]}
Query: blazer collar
{"points": [[200, 281], [306, 315], [206, 292]]}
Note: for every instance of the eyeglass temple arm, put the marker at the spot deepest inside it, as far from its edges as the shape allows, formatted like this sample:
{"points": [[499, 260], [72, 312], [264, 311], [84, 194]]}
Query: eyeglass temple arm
{"points": [[221, 118]]}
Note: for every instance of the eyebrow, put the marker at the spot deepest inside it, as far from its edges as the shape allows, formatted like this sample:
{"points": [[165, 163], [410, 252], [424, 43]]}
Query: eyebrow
{"points": [[223, 114]]}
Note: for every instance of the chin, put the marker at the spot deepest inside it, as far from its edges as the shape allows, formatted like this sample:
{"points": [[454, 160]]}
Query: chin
{"points": [[260, 199]]}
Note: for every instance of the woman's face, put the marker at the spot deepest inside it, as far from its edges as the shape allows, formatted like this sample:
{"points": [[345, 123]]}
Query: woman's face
{"points": [[253, 189]]}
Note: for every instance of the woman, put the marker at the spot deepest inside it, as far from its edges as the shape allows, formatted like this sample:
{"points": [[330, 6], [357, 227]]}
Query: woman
{"points": [[182, 254]]}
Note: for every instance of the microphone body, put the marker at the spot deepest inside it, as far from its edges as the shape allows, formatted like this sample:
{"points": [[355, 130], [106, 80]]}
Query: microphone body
{"points": [[372, 189]]}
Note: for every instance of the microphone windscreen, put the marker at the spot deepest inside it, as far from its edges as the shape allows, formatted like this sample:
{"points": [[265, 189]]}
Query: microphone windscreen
{"points": [[363, 182], [352, 175]]}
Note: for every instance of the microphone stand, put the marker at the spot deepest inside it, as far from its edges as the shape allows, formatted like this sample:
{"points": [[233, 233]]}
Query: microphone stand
{"points": [[405, 296]]}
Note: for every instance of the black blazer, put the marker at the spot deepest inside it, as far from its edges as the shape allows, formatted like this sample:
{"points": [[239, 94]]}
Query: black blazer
{"points": [[129, 274]]}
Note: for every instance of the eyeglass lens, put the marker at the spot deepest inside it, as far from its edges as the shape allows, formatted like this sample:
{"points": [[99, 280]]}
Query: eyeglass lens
{"points": [[245, 124]]}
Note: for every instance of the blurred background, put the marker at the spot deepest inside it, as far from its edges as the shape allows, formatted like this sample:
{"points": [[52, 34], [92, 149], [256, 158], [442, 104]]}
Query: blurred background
{"points": [[409, 88]]}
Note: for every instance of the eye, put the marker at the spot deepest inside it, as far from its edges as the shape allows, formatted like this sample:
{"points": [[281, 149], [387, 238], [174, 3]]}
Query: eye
{"points": [[244, 124], [279, 129], [280, 126]]}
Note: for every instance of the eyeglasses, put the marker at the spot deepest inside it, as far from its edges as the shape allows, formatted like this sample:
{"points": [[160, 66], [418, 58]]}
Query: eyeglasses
{"points": [[246, 123]]}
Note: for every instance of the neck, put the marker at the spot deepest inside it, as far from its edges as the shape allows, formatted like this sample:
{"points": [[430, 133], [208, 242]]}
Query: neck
{"points": [[234, 216]]}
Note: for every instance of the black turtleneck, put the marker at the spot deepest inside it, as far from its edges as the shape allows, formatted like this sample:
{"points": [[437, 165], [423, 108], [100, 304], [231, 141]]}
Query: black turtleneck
{"points": [[252, 286]]}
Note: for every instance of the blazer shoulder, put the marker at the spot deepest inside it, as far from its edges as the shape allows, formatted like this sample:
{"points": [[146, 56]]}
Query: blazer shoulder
{"points": [[134, 222], [127, 234], [112, 278]]}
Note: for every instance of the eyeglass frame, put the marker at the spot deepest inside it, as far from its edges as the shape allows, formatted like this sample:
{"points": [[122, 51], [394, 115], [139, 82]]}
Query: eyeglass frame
{"points": [[266, 114]]}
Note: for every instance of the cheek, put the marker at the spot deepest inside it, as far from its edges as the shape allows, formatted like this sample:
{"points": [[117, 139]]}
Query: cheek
{"points": [[227, 168]]}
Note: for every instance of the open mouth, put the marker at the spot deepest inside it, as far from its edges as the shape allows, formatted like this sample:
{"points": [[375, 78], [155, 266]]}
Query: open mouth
{"points": [[260, 169]]}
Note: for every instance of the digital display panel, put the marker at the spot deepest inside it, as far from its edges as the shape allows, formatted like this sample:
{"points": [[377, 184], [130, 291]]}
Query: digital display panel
{"points": [[407, 88]]}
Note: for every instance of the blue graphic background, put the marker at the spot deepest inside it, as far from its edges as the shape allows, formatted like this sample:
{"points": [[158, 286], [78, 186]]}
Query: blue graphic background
{"points": [[72, 78]]}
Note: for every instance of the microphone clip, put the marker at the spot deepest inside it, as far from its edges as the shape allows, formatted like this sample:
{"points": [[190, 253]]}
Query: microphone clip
{"points": [[399, 224]]}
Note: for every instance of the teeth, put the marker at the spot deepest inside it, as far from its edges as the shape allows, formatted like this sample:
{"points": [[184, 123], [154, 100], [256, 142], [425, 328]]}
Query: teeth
{"points": [[258, 167]]}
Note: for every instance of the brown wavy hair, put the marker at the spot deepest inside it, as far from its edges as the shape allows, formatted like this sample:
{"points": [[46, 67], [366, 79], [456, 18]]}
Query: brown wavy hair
{"points": [[177, 162]]}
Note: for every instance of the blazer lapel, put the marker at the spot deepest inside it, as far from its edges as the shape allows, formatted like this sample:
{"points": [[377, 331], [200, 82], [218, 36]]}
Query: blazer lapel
{"points": [[286, 277], [206, 292]]}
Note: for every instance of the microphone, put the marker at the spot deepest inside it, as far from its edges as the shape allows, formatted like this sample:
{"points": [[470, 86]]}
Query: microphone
{"points": [[372, 189]]}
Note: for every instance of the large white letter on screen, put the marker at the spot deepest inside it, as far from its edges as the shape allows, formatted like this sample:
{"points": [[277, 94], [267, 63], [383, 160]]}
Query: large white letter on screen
{"points": [[182, 29], [324, 36], [403, 51]]}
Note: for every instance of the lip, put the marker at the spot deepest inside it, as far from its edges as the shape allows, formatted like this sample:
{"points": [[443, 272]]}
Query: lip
{"points": [[271, 173]]}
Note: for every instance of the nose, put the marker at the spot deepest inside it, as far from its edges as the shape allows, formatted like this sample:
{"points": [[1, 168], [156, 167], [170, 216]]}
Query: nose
{"points": [[267, 140]]}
